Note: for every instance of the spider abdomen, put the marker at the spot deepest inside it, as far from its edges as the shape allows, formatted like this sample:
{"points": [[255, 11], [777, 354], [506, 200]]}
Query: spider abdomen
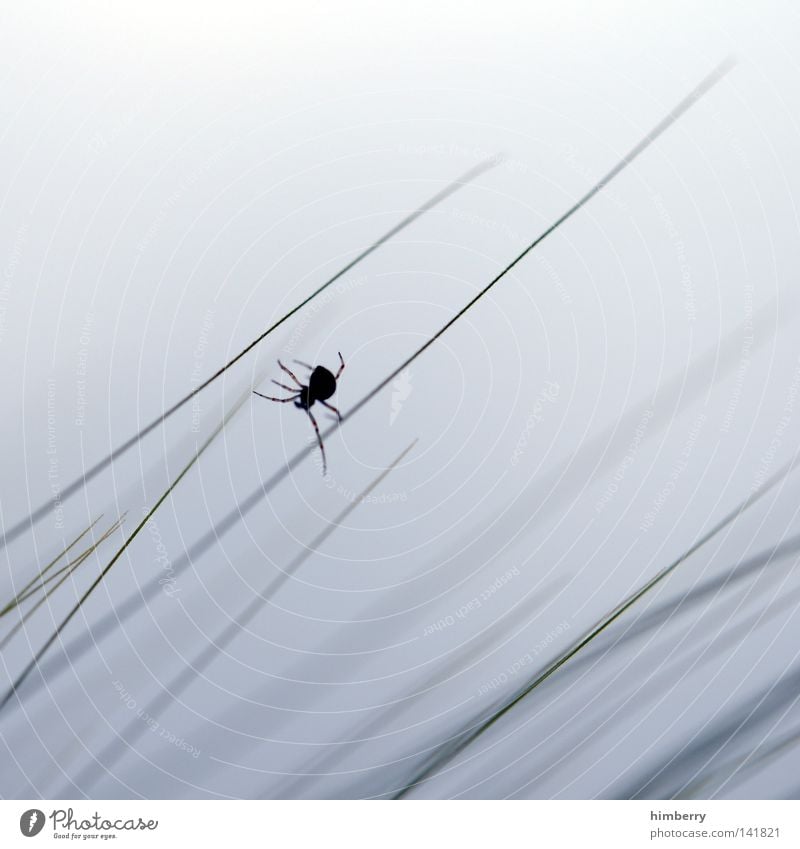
{"points": [[321, 385]]}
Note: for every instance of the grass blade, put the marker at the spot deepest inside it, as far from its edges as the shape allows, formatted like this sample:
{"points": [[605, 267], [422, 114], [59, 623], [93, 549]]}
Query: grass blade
{"points": [[23, 592], [461, 740], [78, 484], [68, 571], [173, 690], [34, 663]]}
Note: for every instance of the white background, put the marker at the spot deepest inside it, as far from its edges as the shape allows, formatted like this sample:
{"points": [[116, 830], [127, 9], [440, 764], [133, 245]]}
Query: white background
{"points": [[175, 177]]}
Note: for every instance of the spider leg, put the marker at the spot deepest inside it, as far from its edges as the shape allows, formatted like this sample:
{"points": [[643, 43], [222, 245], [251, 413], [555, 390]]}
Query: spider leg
{"points": [[332, 409], [321, 446], [291, 374], [279, 400], [284, 386], [341, 367], [304, 365]]}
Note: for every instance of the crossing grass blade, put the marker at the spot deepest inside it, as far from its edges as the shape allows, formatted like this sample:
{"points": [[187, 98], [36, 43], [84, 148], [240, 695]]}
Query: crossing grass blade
{"points": [[65, 572], [91, 473], [34, 663], [42, 572], [200, 662]]}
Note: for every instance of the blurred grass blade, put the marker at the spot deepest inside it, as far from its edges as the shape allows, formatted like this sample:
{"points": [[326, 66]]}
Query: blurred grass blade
{"points": [[95, 470], [445, 753], [700, 750], [699, 651], [680, 389], [739, 769], [485, 642], [661, 614], [178, 684], [34, 663]]}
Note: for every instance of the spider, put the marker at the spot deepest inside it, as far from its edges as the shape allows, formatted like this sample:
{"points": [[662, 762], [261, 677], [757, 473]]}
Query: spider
{"points": [[321, 385]]}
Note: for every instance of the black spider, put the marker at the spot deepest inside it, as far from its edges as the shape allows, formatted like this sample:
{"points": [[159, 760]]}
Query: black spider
{"points": [[321, 385]]}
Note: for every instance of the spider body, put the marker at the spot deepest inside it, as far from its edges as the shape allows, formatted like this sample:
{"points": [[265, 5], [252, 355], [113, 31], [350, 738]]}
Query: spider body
{"points": [[321, 386]]}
